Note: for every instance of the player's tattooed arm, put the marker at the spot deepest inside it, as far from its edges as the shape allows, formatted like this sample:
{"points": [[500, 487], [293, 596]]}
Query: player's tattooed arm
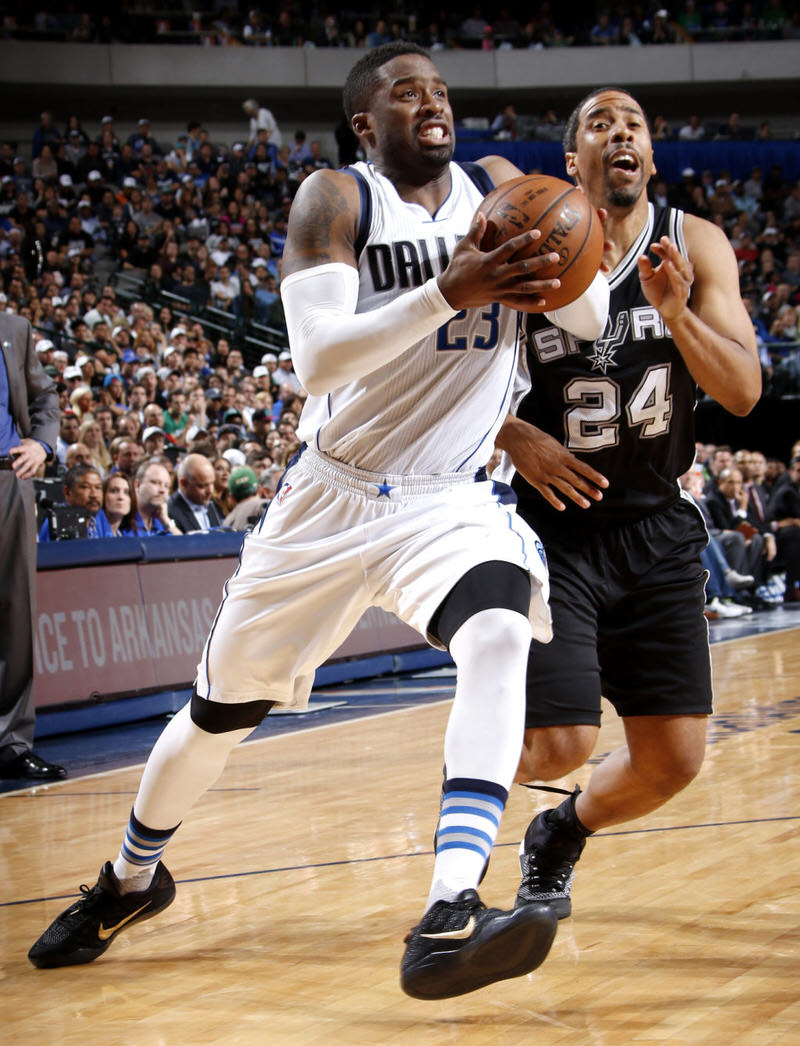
{"points": [[323, 222]]}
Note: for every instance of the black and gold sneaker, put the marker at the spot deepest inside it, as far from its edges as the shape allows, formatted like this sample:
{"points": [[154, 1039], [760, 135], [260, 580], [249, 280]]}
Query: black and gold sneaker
{"points": [[462, 945], [84, 930]]}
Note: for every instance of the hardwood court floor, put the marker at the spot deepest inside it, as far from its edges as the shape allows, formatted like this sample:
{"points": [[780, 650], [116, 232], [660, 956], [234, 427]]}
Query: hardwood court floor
{"points": [[300, 873]]}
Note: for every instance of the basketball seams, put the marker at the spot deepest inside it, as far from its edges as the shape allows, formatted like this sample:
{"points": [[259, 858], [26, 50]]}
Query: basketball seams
{"points": [[523, 195]]}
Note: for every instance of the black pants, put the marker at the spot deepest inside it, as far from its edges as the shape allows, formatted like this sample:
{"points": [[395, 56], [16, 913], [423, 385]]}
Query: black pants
{"points": [[17, 594]]}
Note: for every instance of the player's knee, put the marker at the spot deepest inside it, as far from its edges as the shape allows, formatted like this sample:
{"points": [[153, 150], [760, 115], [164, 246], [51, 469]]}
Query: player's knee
{"points": [[496, 635], [551, 752], [670, 772]]}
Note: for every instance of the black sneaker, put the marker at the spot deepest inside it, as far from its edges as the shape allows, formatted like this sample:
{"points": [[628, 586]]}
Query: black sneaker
{"points": [[462, 945], [547, 858], [86, 928]]}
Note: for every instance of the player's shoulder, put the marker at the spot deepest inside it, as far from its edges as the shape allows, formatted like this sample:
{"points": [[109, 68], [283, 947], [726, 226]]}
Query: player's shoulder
{"points": [[703, 237], [333, 190], [499, 168]]}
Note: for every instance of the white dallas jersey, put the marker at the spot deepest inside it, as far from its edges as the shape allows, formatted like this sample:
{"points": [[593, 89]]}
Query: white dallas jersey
{"points": [[436, 408]]}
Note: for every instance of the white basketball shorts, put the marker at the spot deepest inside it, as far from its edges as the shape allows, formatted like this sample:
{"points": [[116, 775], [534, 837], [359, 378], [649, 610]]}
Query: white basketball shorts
{"points": [[335, 541]]}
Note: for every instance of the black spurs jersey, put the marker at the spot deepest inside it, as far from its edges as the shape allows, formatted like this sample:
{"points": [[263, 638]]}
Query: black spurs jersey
{"points": [[624, 403]]}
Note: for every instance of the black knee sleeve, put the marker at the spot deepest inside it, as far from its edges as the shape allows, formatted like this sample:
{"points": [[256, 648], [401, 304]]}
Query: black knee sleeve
{"points": [[217, 718], [486, 586]]}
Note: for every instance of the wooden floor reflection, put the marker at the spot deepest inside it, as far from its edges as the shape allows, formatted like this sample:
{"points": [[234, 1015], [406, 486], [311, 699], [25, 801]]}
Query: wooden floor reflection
{"points": [[301, 872]]}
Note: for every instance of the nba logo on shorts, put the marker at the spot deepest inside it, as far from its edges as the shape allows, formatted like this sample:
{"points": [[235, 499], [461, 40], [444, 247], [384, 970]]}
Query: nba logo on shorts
{"points": [[284, 493], [540, 550]]}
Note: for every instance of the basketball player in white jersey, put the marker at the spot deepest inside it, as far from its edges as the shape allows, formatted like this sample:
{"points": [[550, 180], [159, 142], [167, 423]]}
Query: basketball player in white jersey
{"points": [[405, 334]]}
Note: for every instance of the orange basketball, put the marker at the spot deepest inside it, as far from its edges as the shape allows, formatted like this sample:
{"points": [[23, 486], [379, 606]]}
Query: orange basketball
{"points": [[569, 225]]}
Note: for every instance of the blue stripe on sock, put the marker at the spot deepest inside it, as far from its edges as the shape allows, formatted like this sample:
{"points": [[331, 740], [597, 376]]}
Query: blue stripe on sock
{"points": [[474, 811], [461, 845], [465, 830], [142, 859]]}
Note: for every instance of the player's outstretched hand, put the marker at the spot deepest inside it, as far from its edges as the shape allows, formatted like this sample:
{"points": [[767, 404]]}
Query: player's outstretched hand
{"points": [[667, 285], [475, 277], [548, 466]]}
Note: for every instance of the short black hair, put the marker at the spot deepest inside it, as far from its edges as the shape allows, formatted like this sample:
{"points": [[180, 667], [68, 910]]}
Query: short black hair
{"points": [[73, 476], [362, 80], [570, 139]]}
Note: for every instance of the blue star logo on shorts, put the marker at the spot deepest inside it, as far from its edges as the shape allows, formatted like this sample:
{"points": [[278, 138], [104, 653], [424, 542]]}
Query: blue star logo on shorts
{"points": [[384, 489]]}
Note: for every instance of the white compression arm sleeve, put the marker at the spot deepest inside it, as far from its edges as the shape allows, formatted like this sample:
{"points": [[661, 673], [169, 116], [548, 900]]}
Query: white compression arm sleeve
{"points": [[586, 316], [332, 344]]}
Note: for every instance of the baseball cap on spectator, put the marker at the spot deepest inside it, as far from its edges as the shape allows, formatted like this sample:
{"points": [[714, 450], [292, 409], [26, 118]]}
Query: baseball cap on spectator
{"points": [[771, 231], [3, 298], [72, 372], [95, 176], [171, 350], [194, 432], [82, 361], [213, 394], [269, 357], [257, 263], [59, 354], [118, 330], [65, 180], [129, 183], [262, 414], [687, 172], [242, 482], [152, 430], [229, 415], [163, 373], [129, 356], [44, 345], [109, 378], [238, 147], [284, 356], [176, 332], [143, 121], [107, 119], [84, 203], [74, 133], [234, 456], [144, 370]]}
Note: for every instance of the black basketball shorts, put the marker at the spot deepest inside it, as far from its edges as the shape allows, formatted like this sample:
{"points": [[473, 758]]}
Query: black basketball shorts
{"points": [[628, 623]]}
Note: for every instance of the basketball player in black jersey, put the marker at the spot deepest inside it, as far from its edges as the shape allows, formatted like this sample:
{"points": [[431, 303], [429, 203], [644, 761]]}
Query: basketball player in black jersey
{"points": [[608, 427]]}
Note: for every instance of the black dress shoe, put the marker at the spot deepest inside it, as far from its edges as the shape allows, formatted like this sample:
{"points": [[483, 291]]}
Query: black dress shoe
{"points": [[33, 767]]}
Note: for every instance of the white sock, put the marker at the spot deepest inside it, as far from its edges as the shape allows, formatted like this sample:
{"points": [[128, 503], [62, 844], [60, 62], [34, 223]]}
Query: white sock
{"points": [[184, 763], [482, 746]]}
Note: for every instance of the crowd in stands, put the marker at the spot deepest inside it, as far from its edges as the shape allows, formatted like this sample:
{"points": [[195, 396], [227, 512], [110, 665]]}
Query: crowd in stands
{"points": [[751, 505], [150, 273], [478, 27]]}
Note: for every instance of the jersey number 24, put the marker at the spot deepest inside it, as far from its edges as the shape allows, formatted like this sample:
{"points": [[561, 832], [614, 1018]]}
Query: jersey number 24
{"points": [[593, 414]]}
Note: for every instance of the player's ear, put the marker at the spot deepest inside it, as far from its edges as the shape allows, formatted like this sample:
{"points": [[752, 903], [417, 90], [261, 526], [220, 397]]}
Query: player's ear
{"points": [[571, 164], [362, 124]]}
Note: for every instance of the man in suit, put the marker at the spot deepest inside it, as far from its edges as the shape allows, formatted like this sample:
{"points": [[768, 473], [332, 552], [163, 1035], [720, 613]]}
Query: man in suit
{"points": [[191, 507], [747, 549], [29, 423]]}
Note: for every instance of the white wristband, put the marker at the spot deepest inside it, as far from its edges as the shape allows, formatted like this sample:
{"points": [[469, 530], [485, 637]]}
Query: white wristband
{"points": [[586, 316], [332, 344]]}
